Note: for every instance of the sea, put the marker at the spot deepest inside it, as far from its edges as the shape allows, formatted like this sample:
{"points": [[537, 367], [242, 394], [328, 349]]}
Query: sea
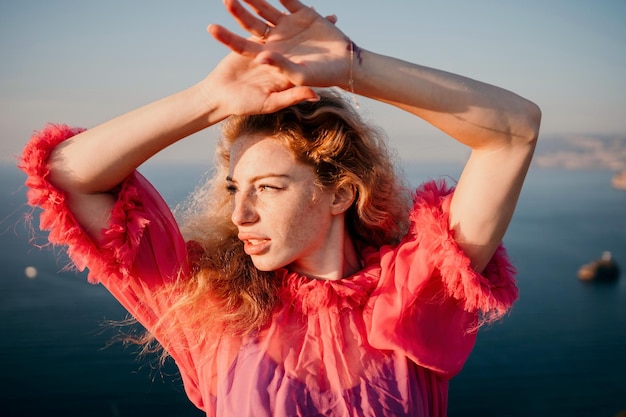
{"points": [[560, 352]]}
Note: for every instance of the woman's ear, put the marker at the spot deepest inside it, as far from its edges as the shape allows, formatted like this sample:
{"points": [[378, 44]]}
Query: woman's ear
{"points": [[344, 197]]}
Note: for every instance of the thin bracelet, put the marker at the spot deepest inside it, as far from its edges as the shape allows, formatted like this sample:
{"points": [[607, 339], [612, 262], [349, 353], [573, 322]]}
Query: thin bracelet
{"points": [[352, 47]]}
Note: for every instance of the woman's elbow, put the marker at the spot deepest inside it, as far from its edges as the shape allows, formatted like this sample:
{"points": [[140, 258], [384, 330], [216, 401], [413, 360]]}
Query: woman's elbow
{"points": [[531, 123], [66, 173]]}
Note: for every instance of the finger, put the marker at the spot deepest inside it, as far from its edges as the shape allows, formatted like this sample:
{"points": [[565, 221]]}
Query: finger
{"points": [[282, 99], [332, 18], [234, 42], [290, 69], [245, 19], [265, 10]]}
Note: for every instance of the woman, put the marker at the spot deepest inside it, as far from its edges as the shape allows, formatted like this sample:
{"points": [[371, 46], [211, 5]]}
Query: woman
{"points": [[309, 280]]}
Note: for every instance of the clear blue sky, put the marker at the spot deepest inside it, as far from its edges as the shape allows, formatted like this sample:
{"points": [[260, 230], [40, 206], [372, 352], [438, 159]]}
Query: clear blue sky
{"points": [[82, 62]]}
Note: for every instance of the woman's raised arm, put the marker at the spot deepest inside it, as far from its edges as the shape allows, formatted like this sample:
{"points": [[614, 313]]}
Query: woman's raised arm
{"points": [[500, 127]]}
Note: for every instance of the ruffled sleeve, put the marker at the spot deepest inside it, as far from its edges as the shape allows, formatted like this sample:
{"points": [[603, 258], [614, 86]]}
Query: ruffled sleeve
{"points": [[142, 238], [141, 249], [429, 301]]}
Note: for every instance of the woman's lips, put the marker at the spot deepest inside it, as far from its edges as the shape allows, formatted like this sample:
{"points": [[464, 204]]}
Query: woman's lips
{"points": [[254, 245]]}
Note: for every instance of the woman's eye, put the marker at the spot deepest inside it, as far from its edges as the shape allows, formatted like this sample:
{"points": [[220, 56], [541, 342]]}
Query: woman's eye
{"points": [[267, 187], [231, 189]]}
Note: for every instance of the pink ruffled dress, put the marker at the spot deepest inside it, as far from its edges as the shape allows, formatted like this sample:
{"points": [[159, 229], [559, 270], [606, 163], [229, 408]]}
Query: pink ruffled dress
{"points": [[383, 342]]}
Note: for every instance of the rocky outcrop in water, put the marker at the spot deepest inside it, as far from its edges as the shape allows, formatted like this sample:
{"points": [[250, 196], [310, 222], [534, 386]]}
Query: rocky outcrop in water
{"points": [[604, 269]]}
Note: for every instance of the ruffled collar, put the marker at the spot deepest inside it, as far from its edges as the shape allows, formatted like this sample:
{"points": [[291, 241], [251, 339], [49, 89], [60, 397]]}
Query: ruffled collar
{"points": [[311, 295]]}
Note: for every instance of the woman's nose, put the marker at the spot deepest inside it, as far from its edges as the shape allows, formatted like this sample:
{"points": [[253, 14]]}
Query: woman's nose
{"points": [[243, 210]]}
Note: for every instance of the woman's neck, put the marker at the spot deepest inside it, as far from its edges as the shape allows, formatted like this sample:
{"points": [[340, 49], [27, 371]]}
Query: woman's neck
{"points": [[337, 262]]}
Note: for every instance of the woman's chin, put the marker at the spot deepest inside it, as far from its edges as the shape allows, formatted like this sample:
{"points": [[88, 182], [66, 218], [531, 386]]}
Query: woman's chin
{"points": [[265, 265]]}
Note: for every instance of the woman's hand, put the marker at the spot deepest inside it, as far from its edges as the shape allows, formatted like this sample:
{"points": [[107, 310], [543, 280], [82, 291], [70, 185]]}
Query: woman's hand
{"points": [[243, 86], [286, 55]]}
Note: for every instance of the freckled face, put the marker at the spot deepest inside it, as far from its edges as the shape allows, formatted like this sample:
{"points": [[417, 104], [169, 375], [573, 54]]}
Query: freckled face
{"points": [[283, 218]]}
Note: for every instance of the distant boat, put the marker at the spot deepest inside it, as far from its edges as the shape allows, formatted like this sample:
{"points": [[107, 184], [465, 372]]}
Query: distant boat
{"points": [[604, 269]]}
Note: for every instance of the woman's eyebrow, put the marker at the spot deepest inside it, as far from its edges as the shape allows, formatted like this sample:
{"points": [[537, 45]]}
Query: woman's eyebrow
{"points": [[261, 177]]}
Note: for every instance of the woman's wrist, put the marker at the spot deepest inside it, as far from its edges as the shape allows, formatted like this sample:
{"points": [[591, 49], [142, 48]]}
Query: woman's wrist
{"points": [[206, 96]]}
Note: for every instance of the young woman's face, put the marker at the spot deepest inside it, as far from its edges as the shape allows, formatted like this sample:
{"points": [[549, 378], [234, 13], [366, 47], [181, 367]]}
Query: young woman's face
{"points": [[283, 217]]}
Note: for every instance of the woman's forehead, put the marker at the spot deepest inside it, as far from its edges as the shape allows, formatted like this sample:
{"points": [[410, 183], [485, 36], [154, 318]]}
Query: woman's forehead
{"points": [[249, 146], [251, 156]]}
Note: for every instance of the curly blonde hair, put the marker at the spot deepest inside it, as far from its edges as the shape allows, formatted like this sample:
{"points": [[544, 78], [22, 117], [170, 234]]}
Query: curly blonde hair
{"points": [[328, 135]]}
